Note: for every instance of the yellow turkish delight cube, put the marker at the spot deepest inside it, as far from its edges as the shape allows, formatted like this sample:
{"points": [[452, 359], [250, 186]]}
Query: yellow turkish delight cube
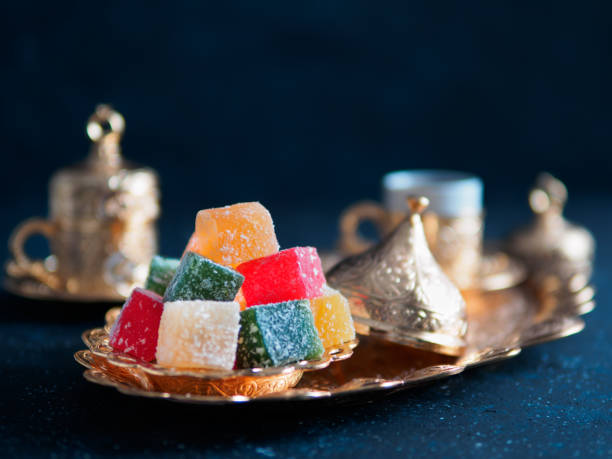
{"points": [[332, 315]]}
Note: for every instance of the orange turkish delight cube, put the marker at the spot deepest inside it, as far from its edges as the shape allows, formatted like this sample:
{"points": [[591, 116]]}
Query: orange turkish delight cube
{"points": [[234, 234]]}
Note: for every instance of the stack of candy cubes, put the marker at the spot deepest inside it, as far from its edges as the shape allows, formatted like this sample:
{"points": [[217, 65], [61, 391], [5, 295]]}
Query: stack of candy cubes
{"points": [[233, 300]]}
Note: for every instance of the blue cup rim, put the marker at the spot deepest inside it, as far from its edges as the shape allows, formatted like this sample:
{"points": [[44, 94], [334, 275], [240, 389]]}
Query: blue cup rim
{"points": [[451, 193], [401, 179]]}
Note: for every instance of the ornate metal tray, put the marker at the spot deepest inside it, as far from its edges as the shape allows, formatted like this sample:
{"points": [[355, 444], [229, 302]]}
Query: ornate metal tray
{"points": [[501, 323]]}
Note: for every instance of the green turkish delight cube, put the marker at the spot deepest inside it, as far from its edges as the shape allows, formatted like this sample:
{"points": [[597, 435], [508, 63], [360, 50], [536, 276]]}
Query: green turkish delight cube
{"points": [[198, 278], [276, 334], [161, 272]]}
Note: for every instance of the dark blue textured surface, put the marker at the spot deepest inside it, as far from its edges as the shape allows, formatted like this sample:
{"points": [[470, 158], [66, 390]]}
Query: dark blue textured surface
{"points": [[551, 400]]}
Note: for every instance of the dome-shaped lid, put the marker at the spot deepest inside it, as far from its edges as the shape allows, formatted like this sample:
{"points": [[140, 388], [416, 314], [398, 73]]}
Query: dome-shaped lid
{"points": [[105, 129], [399, 290]]}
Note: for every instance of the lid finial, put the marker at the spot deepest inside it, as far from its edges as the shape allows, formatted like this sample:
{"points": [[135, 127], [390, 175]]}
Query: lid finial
{"points": [[417, 204], [549, 194], [105, 128]]}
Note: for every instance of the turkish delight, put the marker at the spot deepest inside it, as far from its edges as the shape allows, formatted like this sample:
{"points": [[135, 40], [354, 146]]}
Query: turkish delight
{"points": [[161, 272], [234, 234], [332, 317], [135, 330], [198, 278], [198, 334], [276, 334], [291, 274]]}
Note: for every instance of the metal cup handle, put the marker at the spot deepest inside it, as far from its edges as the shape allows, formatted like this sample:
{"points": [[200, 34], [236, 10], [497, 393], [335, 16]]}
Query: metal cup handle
{"points": [[22, 264], [351, 242]]}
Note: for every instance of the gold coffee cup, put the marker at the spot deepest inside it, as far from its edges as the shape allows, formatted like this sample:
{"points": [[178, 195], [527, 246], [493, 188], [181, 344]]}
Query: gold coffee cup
{"points": [[453, 222], [101, 225]]}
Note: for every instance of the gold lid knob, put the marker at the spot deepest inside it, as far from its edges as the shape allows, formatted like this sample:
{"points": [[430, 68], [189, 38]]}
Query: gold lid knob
{"points": [[417, 204], [105, 128], [548, 195]]}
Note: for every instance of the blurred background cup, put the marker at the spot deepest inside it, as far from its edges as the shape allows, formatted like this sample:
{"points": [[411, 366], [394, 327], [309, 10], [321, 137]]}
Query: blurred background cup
{"points": [[453, 222], [101, 228]]}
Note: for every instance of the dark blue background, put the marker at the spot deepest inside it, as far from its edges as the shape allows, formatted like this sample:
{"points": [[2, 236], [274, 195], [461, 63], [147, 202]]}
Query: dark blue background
{"points": [[304, 107]]}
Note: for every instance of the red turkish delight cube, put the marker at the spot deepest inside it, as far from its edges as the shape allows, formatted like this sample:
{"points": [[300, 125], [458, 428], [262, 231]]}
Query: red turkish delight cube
{"points": [[136, 328], [292, 274]]}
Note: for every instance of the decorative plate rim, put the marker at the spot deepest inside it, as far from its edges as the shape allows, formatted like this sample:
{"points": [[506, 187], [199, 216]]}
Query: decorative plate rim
{"points": [[96, 341]]}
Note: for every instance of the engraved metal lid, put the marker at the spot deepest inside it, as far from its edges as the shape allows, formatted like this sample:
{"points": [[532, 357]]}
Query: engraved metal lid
{"points": [[399, 292], [551, 244], [80, 191]]}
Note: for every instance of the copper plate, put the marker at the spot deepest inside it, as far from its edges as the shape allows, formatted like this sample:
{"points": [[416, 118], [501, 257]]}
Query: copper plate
{"points": [[235, 385], [501, 322]]}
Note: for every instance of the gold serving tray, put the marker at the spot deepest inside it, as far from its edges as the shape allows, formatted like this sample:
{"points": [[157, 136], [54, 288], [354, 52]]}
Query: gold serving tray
{"points": [[501, 323]]}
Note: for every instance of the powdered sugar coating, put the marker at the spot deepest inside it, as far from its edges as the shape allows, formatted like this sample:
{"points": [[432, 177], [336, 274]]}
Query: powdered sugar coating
{"points": [[161, 272], [234, 234], [135, 330], [198, 278], [198, 334], [290, 274], [276, 334], [332, 317]]}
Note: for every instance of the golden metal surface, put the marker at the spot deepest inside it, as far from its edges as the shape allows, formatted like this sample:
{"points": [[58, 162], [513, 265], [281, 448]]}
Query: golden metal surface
{"points": [[198, 384], [557, 252], [456, 243], [23, 285], [252, 382], [501, 323], [399, 292], [497, 270], [101, 227]]}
